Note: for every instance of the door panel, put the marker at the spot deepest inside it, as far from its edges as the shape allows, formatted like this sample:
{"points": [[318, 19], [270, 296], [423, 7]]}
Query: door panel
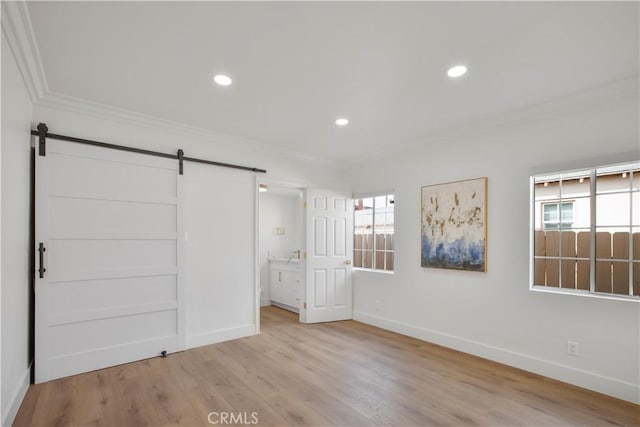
{"points": [[109, 222], [340, 286], [320, 288], [320, 236], [329, 219], [340, 238]]}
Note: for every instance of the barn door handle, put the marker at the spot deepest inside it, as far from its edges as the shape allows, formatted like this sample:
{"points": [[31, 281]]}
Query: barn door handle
{"points": [[41, 269]]}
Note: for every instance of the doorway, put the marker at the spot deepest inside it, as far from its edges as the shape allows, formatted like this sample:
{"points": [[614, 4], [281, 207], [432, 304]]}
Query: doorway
{"points": [[281, 242]]}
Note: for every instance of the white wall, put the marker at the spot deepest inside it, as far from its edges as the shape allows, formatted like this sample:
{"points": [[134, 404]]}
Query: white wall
{"points": [[121, 127], [277, 210], [494, 314], [219, 220], [219, 211], [16, 143]]}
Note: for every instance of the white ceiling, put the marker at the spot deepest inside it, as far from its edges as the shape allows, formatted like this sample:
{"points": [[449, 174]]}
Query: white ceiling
{"points": [[298, 66]]}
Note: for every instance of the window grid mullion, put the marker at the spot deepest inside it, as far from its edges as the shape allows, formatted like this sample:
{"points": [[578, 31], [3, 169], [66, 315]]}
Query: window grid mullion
{"points": [[532, 228], [373, 236], [560, 234], [592, 242], [631, 232]]}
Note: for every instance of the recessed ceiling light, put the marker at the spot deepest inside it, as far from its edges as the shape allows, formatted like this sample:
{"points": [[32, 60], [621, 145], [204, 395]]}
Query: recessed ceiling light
{"points": [[222, 80], [457, 71], [342, 122]]}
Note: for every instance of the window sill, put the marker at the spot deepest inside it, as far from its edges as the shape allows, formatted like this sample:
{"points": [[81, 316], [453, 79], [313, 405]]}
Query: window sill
{"points": [[369, 270], [582, 293]]}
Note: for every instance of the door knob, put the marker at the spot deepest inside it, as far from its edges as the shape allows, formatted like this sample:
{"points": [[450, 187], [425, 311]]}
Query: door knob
{"points": [[347, 261]]}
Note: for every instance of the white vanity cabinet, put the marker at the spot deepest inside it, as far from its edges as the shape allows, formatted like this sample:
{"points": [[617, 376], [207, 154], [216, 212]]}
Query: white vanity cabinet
{"points": [[285, 284]]}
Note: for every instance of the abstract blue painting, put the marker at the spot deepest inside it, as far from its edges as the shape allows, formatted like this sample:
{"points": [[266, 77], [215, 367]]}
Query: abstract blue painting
{"points": [[454, 225]]}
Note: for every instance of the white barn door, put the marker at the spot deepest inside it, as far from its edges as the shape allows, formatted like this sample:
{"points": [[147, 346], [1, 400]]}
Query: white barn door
{"points": [[109, 277], [329, 294]]}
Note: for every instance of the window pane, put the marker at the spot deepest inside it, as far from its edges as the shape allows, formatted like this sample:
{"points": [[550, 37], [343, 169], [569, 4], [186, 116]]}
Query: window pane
{"points": [[537, 216], [577, 186], [357, 258], [368, 259], [603, 244], [583, 267], [368, 242], [380, 242], [567, 212], [363, 217], [581, 213], [618, 179], [552, 267], [547, 190], [381, 219], [550, 212], [636, 178], [539, 272], [620, 278], [603, 276], [635, 205], [568, 273], [603, 268], [613, 209], [389, 256], [380, 260], [568, 254], [620, 270], [636, 258], [389, 241]]}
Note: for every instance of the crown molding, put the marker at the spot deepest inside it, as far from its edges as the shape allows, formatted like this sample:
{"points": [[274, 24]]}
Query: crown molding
{"points": [[562, 105], [58, 101], [18, 31]]}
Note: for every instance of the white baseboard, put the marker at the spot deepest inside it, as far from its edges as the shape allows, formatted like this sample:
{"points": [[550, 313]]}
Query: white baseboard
{"points": [[17, 398], [285, 307], [213, 337], [589, 380]]}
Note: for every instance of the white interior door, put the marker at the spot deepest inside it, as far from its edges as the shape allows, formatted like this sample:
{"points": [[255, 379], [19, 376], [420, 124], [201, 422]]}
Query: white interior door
{"points": [[329, 223], [110, 290]]}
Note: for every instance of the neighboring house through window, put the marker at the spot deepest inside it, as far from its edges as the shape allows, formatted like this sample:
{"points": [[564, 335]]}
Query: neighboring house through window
{"points": [[551, 215]]}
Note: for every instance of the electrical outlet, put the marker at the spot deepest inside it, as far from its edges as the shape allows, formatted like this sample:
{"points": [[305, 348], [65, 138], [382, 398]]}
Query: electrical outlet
{"points": [[573, 348]]}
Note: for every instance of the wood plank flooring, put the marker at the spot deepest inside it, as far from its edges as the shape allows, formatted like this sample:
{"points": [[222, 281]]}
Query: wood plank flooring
{"points": [[340, 373]]}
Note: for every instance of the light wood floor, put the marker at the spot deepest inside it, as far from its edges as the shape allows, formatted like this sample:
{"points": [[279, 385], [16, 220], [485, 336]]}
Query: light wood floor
{"points": [[341, 373]]}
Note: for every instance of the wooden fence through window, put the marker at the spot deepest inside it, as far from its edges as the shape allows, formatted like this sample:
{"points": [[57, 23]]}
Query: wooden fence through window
{"points": [[611, 276], [364, 251]]}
